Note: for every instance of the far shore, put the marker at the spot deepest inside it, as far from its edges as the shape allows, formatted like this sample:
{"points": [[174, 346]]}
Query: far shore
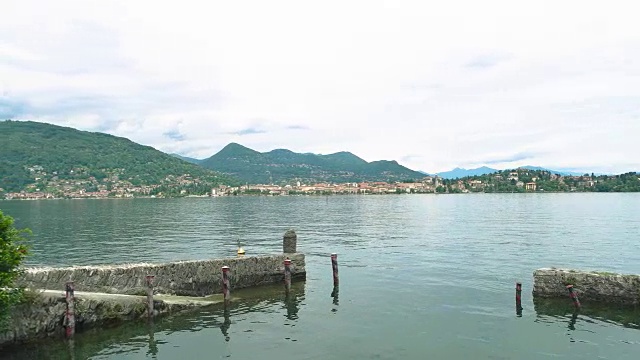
{"points": [[307, 195]]}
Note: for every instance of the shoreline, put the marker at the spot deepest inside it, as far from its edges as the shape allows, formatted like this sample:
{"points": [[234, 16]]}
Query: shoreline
{"points": [[321, 195]]}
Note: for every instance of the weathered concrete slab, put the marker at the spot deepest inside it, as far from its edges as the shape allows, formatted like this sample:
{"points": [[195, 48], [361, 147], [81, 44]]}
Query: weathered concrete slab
{"points": [[185, 278], [42, 315], [591, 286]]}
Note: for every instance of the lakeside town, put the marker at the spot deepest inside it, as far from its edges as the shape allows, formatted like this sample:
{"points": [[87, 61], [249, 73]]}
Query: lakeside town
{"points": [[79, 184]]}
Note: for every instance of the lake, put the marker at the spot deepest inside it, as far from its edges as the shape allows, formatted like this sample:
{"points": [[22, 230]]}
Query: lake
{"points": [[421, 276]]}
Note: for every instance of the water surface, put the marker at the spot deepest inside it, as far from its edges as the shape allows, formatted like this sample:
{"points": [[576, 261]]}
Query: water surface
{"points": [[422, 276]]}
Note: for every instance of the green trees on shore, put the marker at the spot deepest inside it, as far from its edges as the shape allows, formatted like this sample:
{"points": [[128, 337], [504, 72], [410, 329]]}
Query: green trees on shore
{"points": [[515, 180], [13, 250]]}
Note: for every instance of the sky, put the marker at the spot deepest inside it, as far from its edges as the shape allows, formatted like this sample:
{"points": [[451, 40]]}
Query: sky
{"points": [[433, 85]]}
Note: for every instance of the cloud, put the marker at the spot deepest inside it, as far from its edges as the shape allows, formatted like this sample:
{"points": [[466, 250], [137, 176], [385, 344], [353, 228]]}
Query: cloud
{"points": [[485, 61], [511, 158], [458, 88], [174, 135], [410, 157], [250, 131], [11, 109], [297, 127]]}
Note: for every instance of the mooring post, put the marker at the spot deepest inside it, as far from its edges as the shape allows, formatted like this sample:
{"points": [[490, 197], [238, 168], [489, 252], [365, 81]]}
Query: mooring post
{"points": [[519, 299], [70, 314], [287, 274], [289, 242], [226, 289], [334, 265], [574, 296], [150, 295]]}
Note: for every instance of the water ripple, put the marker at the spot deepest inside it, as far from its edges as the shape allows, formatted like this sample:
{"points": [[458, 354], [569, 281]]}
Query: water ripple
{"points": [[420, 275]]}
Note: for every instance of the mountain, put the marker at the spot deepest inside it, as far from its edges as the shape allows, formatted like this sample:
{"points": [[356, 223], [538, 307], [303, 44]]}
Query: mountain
{"points": [[563, 173], [187, 159], [282, 165], [43, 155], [460, 172]]}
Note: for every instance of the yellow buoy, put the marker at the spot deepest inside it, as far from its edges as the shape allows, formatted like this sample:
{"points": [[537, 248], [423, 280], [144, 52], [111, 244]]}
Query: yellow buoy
{"points": [[240, 249]]}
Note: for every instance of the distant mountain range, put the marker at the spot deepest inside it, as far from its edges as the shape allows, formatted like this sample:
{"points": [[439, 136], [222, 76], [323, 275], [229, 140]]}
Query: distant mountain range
{"points": [[187, 159], [57, 150], [460, 172], [282, 165]]}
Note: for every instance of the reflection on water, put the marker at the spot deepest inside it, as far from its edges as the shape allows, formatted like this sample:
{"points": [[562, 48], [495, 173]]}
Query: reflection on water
{"points": [[153, 346], [71, 348], [142, 336], [628, 317], [574, 318], [292, 304], [335, 294], [227, 323]]}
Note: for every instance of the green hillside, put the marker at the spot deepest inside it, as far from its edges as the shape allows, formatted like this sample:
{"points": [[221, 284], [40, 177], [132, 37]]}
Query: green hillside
{"points": [[42, 157], [281, 166]]}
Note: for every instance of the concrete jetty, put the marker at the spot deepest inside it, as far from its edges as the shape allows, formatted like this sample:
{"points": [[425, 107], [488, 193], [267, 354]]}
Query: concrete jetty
{"points": [[42, 314], [184, 278], [602, 287], [117, 293]]}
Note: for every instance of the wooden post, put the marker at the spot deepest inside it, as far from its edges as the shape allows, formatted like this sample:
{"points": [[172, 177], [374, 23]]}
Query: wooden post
{"points": [[287, 274], [150, 295], [574, 296], [70, 314], [226, 289], [334, 265], [519, 299]]}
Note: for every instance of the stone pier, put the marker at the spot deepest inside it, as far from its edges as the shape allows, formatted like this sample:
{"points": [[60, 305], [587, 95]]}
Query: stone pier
{"points": [[594, 286], [116, 293], [42, 315], [184, 278]]}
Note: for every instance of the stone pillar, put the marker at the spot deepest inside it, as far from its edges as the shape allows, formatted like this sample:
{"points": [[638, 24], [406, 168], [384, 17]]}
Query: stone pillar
{"points": [[289, 242]]}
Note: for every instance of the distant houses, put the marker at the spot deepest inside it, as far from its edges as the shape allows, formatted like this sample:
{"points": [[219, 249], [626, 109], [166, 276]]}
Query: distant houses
{"points": [[518, 180]]}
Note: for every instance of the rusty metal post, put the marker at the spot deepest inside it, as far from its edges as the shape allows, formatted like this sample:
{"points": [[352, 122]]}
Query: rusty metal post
{"points": [[574, 296], [70, 316], [519, 299], [150, 295], [226, 288], [334, 265], [287, 274]]}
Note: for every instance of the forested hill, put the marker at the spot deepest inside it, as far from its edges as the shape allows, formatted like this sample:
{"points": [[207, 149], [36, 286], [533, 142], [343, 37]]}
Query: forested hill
{"points": [[52, 158], [283, 165]]}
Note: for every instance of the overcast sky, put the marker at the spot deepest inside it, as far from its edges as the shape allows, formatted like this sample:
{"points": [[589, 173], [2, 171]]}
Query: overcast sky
{"points": [[433, 85]]}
